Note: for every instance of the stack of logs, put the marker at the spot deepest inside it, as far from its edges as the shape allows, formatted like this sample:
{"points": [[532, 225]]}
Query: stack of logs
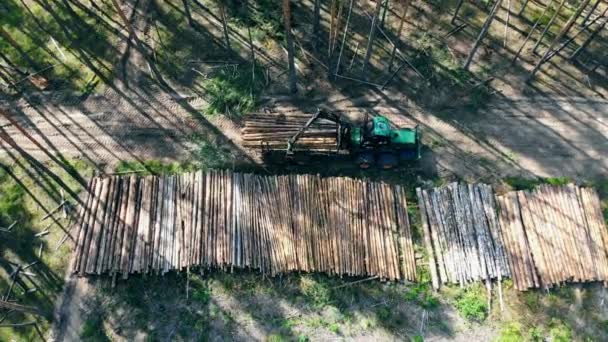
{"points": [[462, 234], [272, 131], [553, 235], [220, 219]]}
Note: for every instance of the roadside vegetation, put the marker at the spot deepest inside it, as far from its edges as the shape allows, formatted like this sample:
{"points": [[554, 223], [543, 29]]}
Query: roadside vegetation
{"points": [[23, 194]]}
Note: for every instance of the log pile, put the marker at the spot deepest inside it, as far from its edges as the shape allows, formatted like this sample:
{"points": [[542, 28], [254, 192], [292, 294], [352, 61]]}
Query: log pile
{"points": [[272, 131], [220, 219], [553, 235], [462, 234]]}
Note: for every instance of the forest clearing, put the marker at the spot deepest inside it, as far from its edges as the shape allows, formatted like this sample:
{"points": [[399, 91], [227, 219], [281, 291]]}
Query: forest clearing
{"points": [[122, 119]]}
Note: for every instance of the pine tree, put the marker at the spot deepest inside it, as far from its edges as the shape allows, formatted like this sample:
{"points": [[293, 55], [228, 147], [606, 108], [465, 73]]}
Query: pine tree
{"points": [[293, 85]]}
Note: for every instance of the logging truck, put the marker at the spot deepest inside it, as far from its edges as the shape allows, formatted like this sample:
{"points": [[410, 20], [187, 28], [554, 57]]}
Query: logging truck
{"points": [[374, 142]]}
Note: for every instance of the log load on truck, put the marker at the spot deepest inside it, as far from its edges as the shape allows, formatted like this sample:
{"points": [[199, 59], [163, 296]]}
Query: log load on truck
{"points": [[372, 142]]}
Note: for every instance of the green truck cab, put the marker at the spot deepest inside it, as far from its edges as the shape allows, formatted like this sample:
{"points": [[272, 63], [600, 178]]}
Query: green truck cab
{"points": [[377, 143]]}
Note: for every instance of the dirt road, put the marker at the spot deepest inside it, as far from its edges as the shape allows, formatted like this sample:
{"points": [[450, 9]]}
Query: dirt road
{"points": [[530, 136]]}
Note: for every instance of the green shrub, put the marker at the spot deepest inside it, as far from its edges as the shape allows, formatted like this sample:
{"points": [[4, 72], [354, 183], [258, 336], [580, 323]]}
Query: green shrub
{"points": [[535, 334], [202, 295], [153, 167], [511, 332], [383, 314], [315, 291], [471, 303], [418, 338], [93, 330], [232, 91], [560, 331], [421, 294]]}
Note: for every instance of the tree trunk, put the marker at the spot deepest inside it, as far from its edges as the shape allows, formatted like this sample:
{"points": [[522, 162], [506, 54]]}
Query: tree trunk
{"points": [[542, 35], [332, 20], [293, 86], [597, 3], [531, 32], [589, 39], [316, 25], [188, 14], [557, 39], [482, 34], [350, 11], [571, 39], [523, 7], [386, 3], [453, 22], [225, 25], [406, 5], [124, 19], [507, 23], [370, 41]]}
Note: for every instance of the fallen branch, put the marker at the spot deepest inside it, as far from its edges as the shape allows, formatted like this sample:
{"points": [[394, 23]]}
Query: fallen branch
{"points": [[34, 74], [358, 80], [455, 30], [6, 315], [18, 307], [355, 282], [42, 233], [54, 210], [9, 228], [17, 325], [127, 172], [392, 76], [399, 53]]}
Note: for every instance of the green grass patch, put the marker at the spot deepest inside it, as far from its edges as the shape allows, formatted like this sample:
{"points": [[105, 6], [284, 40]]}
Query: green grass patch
{"points": [[522, 183], [153, 167], [23, 192], [559, 331], [93, 330], [79, 45], [471, 303], [316, 291], [233, 90], [263, 17]]}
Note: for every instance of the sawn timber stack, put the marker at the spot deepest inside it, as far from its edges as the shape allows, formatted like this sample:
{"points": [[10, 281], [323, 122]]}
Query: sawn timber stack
{"points": [[221, 219]]}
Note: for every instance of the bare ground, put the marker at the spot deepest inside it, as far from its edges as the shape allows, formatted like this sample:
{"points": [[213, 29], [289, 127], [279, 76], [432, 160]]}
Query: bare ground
{"points": [[537, 136]]}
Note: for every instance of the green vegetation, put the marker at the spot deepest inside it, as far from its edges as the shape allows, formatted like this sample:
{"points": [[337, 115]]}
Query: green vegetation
{"points": [[232, 90], [153, 167], [316, 291], [263, 17], [601, 185], [421, 292], [75, 46], [560, 331], [443, 71], [471, 303], [23, 191], [522, 183], [93, 330]]}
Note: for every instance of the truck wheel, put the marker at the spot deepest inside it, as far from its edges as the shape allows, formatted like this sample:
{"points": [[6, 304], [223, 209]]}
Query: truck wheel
{"points": [[365, 160], [387, 161]]}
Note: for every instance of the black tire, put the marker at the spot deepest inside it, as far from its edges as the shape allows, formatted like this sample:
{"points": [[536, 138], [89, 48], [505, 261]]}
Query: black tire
{"points": [[365, 160], [387, 161]]}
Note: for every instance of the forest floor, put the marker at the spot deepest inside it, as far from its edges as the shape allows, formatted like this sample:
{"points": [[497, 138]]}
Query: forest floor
{"points": [[153, 114]]}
